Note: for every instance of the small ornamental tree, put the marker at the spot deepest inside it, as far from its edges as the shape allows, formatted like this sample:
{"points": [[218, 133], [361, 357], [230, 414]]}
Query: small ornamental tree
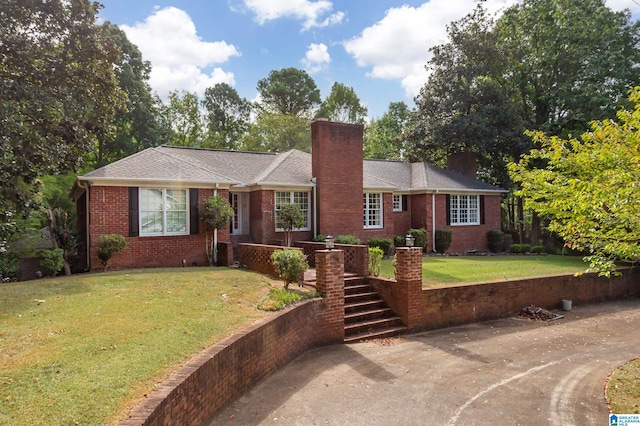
{"points": [[588, 188], [109, 244], [290, 263], [216, 214], [290, 217]]}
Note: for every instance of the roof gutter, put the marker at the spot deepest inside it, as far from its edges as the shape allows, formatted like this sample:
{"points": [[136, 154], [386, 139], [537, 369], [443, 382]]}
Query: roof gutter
{"points": [[315, 207]]}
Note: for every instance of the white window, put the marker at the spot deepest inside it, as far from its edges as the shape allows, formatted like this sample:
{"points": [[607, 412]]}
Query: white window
{"points": [[372, 210], [235, 220], [164, 211], [397, 202], [464, 210], [293, 197]]}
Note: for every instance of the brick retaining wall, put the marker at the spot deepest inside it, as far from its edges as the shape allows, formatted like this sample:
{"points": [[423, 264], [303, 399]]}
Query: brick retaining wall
{"points": [[448, 306], [257, 257]]}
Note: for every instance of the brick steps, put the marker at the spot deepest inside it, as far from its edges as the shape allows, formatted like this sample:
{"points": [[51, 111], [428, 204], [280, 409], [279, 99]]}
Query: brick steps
{"points": [[366, 315]]}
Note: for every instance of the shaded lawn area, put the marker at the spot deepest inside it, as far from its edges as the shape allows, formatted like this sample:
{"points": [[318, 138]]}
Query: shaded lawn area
{"points": [[437, 270], [85, 348]]}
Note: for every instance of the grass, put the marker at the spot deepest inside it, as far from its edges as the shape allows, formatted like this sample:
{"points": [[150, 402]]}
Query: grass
{"points": [[439, 270], [86, 348], [279, 298], [624, 388]]}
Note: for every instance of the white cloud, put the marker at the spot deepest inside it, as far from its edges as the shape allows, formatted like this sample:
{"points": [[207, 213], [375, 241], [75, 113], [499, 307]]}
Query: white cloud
{"points": [[397, 47], [316, 58], [311, 12], [179, 57], [619, 5]]}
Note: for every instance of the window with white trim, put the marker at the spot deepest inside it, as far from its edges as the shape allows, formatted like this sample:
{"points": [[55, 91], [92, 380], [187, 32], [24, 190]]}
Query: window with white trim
{"points": [[464, 209], [372, 210], [294, 197], [397, 202], [164, 211]]}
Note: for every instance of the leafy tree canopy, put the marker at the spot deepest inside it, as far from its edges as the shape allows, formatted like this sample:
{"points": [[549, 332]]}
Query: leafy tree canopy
{"points": [[275, 132], [289, 91], [383, 138], [227, 116], [59, 91], [549, 65], [182, 119], [589, 187], [343, 104]]}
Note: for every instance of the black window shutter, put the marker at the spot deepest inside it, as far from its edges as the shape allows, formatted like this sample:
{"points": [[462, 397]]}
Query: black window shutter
{"points": [[405, 203], [482, 209], [448, 209], [194, 213], [134, 212]]}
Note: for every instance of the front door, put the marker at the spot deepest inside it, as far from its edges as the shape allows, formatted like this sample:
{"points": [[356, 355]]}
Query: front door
{"points": [[240, 221]]}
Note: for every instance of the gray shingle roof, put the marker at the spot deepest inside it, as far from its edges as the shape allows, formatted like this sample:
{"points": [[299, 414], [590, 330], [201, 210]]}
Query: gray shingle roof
{"points": [[291, 168]]}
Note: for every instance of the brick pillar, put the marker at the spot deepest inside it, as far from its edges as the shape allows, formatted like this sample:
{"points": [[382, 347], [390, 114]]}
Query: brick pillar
{"points": [[330, 284], [409, 286]]}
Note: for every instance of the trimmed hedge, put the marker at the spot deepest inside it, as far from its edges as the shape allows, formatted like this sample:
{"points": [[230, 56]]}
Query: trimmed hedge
{"points": [[382, 243], [443, 239]]}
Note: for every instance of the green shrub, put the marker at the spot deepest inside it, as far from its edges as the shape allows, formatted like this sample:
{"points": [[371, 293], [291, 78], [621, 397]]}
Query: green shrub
{"points": [[382, 243], [398, 241], [347, 239], [515, 248], [443, 239], [52, 260], [495, 240], [290, 264], [537, 249], [319, 238], [421, 237], [375, 260], [109, 244], [525, 248]]}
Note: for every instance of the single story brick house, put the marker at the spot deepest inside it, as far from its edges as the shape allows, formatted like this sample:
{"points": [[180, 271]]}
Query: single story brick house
{"points": [[153, 197]]}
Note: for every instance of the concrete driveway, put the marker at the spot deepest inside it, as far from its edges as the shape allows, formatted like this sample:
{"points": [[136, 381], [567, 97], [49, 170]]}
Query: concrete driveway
{"points": [[510, 371]]}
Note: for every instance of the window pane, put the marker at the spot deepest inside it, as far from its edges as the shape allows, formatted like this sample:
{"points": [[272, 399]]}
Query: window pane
{"points": [[150, 222]]}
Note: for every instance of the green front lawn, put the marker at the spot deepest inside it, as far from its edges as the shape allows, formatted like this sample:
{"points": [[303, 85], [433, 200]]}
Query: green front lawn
{"points": [[473, 269], [85, 348]]}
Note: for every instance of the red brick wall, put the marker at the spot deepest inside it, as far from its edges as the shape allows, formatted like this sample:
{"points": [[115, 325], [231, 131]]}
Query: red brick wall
{"points": [[448, 306], [337, 164], [464, 237], [109, 214], [468, 237], [387, 221], [330, 284], [257, 257]]}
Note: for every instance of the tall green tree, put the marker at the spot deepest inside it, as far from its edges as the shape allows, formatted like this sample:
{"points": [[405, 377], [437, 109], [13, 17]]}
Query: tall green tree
{"points": [[182, 117], [588, 187], [59, 92], [275, 132], [289, 91], [567, 61], [383, 138], [227, 116], [343, 104], [137, 127], [466, 104]]}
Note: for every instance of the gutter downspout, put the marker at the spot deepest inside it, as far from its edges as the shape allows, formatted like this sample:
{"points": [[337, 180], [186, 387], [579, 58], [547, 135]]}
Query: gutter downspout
{"points": [[215, 233], [433, 221], [86, 186], [315, 207]]}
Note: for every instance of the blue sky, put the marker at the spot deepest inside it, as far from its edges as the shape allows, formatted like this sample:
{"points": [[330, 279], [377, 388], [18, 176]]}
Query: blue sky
{"points": [[378, 47]]}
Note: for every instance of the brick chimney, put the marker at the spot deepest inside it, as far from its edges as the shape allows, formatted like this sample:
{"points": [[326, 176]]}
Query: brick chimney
{"points": [[464, 163], [337, 165]]}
